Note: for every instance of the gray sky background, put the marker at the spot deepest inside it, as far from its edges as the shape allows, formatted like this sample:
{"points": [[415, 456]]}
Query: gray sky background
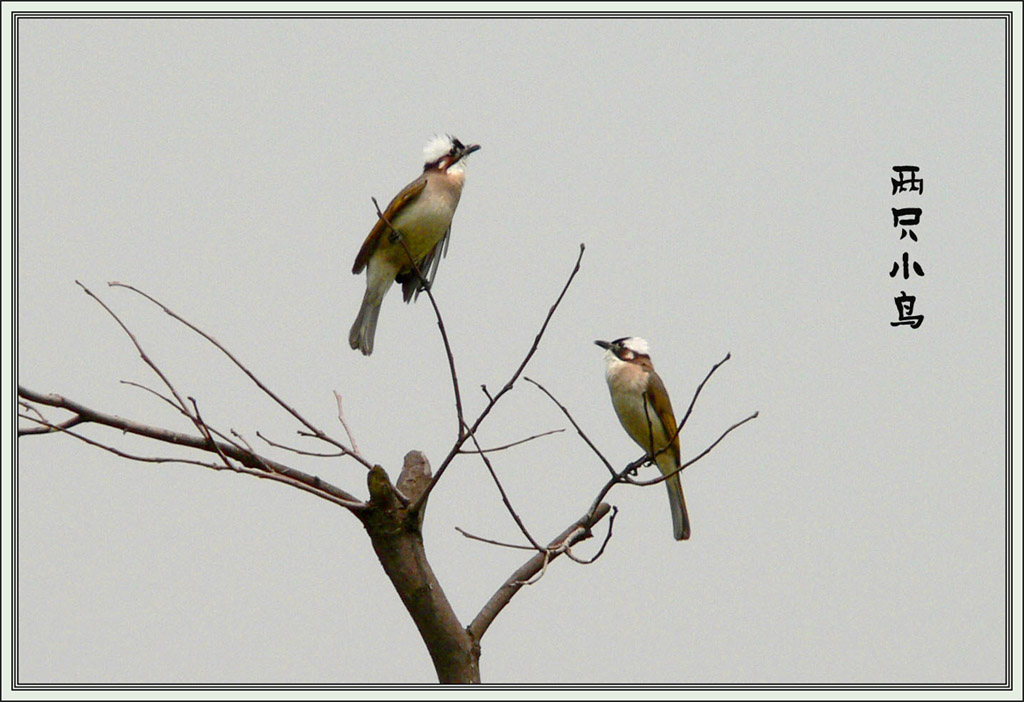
{"points": [[731, 181]]}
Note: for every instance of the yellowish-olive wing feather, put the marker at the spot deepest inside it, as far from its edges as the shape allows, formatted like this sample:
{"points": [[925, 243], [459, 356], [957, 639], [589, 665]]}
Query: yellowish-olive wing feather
{"points": [[411, 286], [657, 397], [408, 194]]}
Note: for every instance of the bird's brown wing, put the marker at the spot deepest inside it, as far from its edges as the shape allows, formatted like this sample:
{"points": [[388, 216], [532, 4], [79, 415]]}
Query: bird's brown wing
{"points": [[408, 194], [657, 396], [411, 285]]}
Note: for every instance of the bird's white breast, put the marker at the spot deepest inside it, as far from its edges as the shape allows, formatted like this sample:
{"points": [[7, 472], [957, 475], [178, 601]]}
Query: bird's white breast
{"points": [[627, 383], [425, 220], [623, 377]]}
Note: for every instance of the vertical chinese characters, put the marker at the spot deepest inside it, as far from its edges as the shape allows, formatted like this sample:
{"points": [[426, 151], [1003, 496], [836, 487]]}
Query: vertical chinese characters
{"points": [[903, 218]]}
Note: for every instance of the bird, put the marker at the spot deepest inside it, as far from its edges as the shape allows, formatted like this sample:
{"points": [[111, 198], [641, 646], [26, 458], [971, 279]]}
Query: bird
{"points": [[645, 412], [422, 215]]}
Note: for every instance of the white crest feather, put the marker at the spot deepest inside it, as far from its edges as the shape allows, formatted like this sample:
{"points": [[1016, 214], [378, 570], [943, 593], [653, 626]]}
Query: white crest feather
{"points": [[637, 345], [436, 148]]}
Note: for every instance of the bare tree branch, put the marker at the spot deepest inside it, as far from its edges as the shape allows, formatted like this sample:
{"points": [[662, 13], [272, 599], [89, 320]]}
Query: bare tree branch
{"points": [[512, 585], [579, 431], [600, 551], [146, 359], [123, 454], [204, 430], [474, 537], [178, 409], [45, 426], [693, 400], [270, 393], [562, 549], [267, 474], [248, 447], [393, 515], [548, 555], [262, 465], [181, 407], [425, 286], [300, 451], [153, 392], [504, 496], [663, 478], [194, 418], [514, 443], [344, 424], [508, 385]]}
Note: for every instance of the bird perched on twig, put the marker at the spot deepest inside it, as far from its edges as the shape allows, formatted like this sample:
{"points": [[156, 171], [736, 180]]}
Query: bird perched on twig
{"points": [[645, 412], [411, 234]]}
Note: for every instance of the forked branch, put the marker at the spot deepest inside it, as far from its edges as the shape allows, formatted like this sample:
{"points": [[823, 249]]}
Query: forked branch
{"points": [[209, 439], [493, 399], [315, 431], [258, 465], [576, 532]]}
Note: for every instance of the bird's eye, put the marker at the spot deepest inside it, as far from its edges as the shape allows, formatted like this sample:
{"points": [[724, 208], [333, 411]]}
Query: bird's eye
{"points": [[456, 145]]}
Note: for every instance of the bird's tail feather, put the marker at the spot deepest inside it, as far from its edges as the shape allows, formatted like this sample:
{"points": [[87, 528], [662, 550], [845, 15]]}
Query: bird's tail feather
{"points": [[362, 332], [680, 519]]}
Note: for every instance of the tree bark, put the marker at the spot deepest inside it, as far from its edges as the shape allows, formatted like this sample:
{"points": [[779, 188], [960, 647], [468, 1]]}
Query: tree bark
{"points": [[397, 540]]}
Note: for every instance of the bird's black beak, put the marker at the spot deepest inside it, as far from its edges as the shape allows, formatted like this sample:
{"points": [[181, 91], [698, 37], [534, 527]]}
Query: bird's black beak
{"points": [[604, 344], [466, 151]]}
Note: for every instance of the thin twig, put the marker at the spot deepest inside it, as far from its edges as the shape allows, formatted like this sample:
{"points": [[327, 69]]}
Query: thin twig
{"points": [[693, 400], [170, 402], [180, 406], [525, 572], [300, 451], [501, 491], [493, 542], [270, 393], [249, 448], [243, 440], [205, 431], [696, 393], [260, 464], [47, 427], [514, 443], [425, 285], [663, 478], [572, 421], [153, 392], [508, 386], [268, 473], [344, 424], [543, 571], [146, 359], [607, 538], [118, 452], [620, 477]]}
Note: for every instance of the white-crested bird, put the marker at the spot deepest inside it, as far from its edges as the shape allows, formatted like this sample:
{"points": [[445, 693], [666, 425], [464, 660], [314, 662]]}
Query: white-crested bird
{"points": [[645, 412], [422, 215]]}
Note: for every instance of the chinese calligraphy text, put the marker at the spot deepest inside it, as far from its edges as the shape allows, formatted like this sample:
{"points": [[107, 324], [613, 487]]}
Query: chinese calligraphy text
{"points": [[904, 218]]}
